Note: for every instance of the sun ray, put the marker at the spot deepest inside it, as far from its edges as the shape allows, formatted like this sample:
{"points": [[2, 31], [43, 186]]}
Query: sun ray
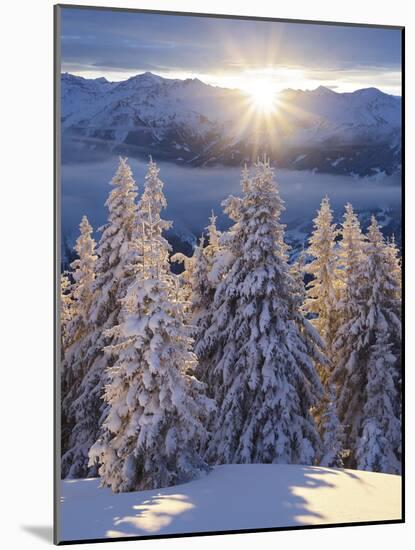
{"points": [[262, 94]]}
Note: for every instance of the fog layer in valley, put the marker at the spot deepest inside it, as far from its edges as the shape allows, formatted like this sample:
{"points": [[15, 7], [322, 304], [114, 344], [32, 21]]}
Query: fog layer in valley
{"points": [[193, 192]]}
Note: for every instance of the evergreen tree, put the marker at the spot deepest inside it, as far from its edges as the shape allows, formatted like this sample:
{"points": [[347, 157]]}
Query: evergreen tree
{"points": [[117, 248], [323, 293], [262, 347], [202, 274], [394, 268], [66, 313], [378, 447], [183, 285], [79, 336], [210, 266], [115, 270], [348, 376], [153, 427], [205, 279], [217, 255], [151, 204], [67, 303], [84, 278], [331, 430], [351, 255], [372, 321]]}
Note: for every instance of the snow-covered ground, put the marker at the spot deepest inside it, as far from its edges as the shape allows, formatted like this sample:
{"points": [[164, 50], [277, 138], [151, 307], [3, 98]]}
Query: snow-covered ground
{"points": [[231, 497]]}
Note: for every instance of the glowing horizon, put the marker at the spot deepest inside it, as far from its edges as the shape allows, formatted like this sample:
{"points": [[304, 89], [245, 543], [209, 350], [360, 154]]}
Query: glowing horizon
{"points": [[246, 80], [230, 53]]}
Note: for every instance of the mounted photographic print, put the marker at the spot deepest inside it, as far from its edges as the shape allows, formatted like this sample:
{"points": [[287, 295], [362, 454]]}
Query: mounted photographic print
{"points": [[229, 352]]}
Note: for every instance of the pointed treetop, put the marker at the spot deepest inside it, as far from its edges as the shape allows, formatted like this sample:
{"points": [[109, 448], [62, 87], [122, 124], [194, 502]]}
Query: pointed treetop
{"points": [[265, 160], [349, 211], [153, 190], [85, 244], [324, 211], [152, 173], [264, 181], [351, 221], [202, 240], [121, 200], [374, 233], [123, 170], [85, 226], [349, 208], [213, 233], [245, 178], [373, 220], [325, 202]]}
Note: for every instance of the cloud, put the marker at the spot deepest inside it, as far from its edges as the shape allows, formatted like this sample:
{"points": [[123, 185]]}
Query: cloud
{"points": [[126, 43]]}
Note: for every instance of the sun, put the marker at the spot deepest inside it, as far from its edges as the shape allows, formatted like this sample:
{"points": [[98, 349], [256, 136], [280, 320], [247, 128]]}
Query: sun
{"points": [[263, 96]]}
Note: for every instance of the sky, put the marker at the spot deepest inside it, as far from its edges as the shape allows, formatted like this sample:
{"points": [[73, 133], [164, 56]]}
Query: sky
{"points": [[229, 52]]}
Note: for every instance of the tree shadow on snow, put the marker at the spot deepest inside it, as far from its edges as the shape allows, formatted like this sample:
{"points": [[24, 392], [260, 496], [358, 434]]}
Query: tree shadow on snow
{"points": [[267, 498], [230, 498]]}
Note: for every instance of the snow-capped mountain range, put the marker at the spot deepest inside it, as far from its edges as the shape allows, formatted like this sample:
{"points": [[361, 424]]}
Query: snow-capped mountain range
{"points": [[190, 122]]}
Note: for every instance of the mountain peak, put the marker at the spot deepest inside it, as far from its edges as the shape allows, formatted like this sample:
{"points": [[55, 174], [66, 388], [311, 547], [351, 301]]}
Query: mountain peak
{"points": [[147, 79], [368, 92], [323, 90], [148, 75], [71, 77]]}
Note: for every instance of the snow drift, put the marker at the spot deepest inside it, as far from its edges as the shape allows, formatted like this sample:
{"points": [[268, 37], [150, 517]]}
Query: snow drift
{"points": [[231, 497]]}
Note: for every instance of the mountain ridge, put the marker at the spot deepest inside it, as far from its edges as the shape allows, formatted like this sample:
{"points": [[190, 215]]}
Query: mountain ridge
{"points": [[190, 122], [149, 74]]}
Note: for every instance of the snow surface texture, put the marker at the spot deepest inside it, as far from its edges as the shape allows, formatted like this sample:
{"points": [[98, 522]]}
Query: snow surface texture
{"points": [[231, 497]]}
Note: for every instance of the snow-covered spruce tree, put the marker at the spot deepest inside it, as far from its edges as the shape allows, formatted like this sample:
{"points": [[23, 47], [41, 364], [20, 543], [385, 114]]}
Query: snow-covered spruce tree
{"points": [[217, 255], [323, 291], [153, 427], [117, 247], [67, 302], [202, 274], [84, 278], [393, 261], [204, 270], [372, 318], [201, 300], [79, 334], [378, 447], [332, 433], [322, 299], [324, 413], [348, 375], [263, 348], [115, 270], [204, 288], [183, 288], [379, 438], [395, 267], [151, 204], [66, 313], [209, 268]]}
